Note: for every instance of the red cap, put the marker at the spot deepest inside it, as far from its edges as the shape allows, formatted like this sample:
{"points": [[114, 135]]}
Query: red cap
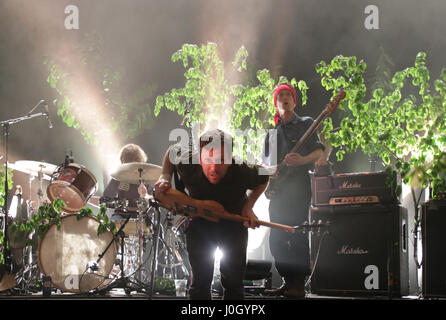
{"points": [[283, 86]]}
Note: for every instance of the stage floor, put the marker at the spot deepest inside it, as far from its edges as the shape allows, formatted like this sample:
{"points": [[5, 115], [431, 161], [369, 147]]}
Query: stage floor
{"points": [[120, 294]]}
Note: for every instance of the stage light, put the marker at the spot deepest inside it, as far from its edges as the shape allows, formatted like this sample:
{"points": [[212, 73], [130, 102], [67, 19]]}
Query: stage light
{"points": [[218, 255]]}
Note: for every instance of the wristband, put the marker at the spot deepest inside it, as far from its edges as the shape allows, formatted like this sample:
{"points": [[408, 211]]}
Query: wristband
{"points": [[165, 176]]}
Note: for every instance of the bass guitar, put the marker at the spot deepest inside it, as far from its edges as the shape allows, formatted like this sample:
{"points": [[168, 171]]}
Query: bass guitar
{"points": [[180, 203]]}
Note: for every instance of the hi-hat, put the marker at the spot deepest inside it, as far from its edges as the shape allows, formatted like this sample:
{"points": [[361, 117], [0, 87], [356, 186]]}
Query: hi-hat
{"points": [[34, 168], [135, 171]]}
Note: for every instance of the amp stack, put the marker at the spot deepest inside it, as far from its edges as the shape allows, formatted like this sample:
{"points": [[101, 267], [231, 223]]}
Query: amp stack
{"points": [[433, 222], [364, 250]]}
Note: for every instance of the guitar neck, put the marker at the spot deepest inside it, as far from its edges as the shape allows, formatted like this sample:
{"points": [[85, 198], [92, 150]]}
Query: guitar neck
{"points": [[181, 203], [309, 132], [305, 137], [239, 218]]}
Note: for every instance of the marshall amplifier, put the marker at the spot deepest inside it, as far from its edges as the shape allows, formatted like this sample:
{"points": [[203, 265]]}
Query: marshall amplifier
{"points": [[433, 222], [353, 188], [364, 251]]}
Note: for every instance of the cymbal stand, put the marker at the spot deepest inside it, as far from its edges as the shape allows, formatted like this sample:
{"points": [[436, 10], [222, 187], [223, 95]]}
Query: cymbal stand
{"points": [[154, 204], [141, 205], [39, 191], [172, 256]]}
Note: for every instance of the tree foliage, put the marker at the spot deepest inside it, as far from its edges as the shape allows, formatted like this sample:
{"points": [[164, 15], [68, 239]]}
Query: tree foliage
{"points": [[403, 124], [207, 97], [405, 127], [91, 98]]}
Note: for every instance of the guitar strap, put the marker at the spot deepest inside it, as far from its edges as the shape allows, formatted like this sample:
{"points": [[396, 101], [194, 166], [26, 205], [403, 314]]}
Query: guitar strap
{"points": [[179, 185]]}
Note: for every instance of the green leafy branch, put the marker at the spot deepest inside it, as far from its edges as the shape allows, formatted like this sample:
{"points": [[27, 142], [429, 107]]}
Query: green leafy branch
{"points": [[90, 93], [209, 98], [205, 95], [2, 183], [46, 216], [51, 214], [105, 224]]}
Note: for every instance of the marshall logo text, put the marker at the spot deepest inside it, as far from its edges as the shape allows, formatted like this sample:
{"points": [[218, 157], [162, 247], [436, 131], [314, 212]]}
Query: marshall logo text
{"points": [[349, 250], [349, 185]]}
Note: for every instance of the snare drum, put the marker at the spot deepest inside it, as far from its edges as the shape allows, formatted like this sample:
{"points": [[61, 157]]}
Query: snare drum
{"points": [[74, 184], [65, 253]]}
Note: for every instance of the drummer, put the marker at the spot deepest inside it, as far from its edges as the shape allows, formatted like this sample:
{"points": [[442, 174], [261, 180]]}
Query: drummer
{"points": [[126, 191]]}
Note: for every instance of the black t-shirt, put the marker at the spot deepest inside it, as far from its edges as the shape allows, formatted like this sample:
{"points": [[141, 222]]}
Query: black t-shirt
{"points": [[230, 192]]}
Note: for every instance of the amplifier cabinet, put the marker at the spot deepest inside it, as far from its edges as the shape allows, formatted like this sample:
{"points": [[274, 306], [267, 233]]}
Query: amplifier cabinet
{"points": [[433, 225], [364, 251]]}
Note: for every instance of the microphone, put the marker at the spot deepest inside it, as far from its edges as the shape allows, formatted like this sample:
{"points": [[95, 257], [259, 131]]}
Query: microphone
{"points": [[50, 124], [93, 266]]}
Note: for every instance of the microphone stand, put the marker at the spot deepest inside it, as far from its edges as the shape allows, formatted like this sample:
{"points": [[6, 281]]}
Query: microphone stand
{"points": [[6, 125], [95, 265]]}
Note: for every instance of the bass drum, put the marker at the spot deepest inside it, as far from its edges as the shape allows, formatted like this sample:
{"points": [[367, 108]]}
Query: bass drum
{"points": [[65, 253]]}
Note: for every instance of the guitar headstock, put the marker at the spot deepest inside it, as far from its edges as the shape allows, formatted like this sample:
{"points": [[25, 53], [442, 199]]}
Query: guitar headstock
{"points": [[333, 104], [313, 226]]}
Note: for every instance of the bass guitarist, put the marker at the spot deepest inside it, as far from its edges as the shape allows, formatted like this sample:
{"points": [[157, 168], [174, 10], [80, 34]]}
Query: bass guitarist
{"points": [[290, 204]]}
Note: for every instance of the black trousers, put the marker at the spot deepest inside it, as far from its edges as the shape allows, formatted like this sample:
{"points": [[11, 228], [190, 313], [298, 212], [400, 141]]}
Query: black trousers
{"points": [[291, 251], [203, 237]]}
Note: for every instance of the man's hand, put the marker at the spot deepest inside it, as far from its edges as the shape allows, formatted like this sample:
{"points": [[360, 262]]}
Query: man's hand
{"points": [[248, 212], [272, 171], [294, 159], [162, 185], [142, 190]]}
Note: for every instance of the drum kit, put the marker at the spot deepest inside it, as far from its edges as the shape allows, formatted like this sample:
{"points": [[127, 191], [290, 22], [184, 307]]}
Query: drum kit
{"points": [[73, 258]]}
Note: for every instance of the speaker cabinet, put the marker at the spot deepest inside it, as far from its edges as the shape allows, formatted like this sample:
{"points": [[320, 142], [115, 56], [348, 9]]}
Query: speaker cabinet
{"points": [[433, 223], [362, 252]]}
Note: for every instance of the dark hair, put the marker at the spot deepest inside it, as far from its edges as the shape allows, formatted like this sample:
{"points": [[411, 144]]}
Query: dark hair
{"points": [[209, 136]]}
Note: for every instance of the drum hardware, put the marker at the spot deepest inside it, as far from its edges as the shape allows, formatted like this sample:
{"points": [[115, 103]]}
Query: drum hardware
{"points": [[6, 267], [155, 205], [172, 256], [114, 203], [145, 172], [138, 173], [122, 282]]}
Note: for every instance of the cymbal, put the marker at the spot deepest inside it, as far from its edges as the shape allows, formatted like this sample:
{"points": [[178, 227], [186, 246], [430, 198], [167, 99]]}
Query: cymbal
{"points": [[27, 171], [36, 166], [130, 172]]}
